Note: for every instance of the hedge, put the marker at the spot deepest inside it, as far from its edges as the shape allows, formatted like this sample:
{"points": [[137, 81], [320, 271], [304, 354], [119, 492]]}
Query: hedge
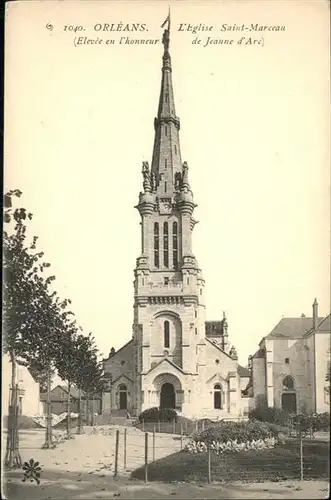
{"points": [[158, 415]]}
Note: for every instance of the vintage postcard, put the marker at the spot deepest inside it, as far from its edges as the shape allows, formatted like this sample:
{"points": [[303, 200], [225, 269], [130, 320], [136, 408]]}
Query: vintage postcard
{"points": [[145, 354]]}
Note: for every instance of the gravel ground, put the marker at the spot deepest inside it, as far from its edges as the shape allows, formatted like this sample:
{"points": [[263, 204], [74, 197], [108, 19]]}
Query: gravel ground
{"points": [[83, 468]]}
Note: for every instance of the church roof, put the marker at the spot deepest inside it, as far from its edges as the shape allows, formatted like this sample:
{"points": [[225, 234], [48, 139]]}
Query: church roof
{"points": [[258, 354], [325, 324], [120, 349], [243, 372], [292, 328]]}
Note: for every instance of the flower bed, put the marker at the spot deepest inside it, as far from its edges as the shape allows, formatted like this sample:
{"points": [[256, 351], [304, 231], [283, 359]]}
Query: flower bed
{"points": [[234, 437]]}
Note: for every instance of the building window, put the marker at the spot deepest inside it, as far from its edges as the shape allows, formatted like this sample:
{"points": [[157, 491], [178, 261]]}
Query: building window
{"points": [[196, 331], [175, 244], [165, 187], [217, 397], [122, 362], [200, 291], [165, 130], [196, 313], [143, 282], [166, 281], [166, 334], [156, 245], [287, 361], [165, 163], [175, 149], [165, 245], [166, 98], [187, 281], [288, 383]]}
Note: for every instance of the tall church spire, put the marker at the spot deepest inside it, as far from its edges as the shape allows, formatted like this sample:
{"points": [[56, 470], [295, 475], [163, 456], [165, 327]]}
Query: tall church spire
{"points": [[166, 161]]}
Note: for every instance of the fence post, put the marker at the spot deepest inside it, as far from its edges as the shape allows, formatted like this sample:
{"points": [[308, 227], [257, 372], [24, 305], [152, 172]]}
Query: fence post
{"points": [[146, 457], [301, 457], [181, 436], [209, 463], [158, 426], [125, 434], [154, 443], [116, 452], [143, 422]]}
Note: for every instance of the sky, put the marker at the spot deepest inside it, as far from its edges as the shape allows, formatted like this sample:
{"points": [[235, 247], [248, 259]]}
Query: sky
{"points": [[254, 131]]}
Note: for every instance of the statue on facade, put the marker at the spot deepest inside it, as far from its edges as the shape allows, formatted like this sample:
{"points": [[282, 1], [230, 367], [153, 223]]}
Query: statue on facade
{"points": [[185, 182], [233, 352], [146, 176], [178, 181]]}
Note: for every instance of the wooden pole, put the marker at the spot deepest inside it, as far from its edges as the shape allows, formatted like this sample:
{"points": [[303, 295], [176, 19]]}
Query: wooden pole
{"points": [[181, 436], [209, 464], [301, 457], [143, 425], [116, 452], [158, 426], [146, 457], [174, 426], [125, 434], [154, 443]]}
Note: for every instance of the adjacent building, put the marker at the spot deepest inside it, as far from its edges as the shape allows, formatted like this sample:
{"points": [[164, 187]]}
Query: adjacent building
{"points": [[175, 358], [28, 389], [291, 368]]}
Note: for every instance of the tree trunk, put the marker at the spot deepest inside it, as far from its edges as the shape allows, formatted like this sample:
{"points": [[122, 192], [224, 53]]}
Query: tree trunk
{"points": [[93, 416], [68, 413], [48, 432], [87, 408], [80, 427], [13, 458]]}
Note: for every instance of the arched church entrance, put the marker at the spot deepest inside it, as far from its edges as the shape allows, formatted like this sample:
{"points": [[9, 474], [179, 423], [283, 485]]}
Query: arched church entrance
{"points": [[168, 396], [168, 391], [123, 397], [289, 402], [289, 398]]}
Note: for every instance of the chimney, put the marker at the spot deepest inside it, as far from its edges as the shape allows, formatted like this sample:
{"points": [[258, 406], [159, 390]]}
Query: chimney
{"points": [[315, 314]]}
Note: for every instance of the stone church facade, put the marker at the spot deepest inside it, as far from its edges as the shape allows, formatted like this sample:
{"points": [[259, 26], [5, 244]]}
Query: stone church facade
{"points": [[175, 359]]}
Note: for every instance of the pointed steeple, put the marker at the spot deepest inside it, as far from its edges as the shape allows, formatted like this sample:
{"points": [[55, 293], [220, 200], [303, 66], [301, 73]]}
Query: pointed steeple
{"points": [[166, 161]]}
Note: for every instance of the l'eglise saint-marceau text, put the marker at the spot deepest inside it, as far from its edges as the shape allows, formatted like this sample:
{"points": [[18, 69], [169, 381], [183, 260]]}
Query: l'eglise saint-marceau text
{"points": [[230, 27]]}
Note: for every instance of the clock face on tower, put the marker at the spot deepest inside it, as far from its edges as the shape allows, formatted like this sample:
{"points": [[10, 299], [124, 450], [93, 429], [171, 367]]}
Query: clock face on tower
{"points": [[165, 207]]}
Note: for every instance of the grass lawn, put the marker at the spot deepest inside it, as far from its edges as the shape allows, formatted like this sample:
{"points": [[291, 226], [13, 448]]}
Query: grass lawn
{"points": [[276, 464]]}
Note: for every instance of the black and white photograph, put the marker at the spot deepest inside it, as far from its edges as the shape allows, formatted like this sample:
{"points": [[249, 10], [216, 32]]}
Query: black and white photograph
{"points": [[166, 250]]}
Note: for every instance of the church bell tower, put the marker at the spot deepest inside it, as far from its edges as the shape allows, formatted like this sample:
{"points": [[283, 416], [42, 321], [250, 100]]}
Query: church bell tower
{"points": [[169, 303]]}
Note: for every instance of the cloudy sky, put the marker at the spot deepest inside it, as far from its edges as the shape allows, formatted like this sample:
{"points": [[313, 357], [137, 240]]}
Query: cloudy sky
{"points": [[254, 131]]}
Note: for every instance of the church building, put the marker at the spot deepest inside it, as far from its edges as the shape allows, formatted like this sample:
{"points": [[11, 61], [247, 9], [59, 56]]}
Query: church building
{"points": [[291, 368], [175, 358]]}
